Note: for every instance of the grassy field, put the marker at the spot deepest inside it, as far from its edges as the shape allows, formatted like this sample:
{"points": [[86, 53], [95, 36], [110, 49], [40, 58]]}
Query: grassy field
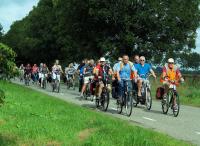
{"points": [[189, 91], [32, 118]]}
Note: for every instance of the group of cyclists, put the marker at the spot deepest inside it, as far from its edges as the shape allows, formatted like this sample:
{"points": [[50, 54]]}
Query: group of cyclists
{"points": [[126, 75]]}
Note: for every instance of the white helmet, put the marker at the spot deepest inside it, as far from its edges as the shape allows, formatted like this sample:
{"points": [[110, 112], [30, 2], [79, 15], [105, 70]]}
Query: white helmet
{"points": [[102, 59], [170, 60], [119, 59]]}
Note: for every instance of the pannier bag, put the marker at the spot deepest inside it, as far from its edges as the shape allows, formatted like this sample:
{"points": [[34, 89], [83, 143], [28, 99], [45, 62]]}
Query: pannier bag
{"points": [[159, 93]]}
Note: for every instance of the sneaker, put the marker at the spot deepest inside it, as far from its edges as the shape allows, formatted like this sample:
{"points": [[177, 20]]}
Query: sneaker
{"points": [[175, 107], [97, 97], [81, 95], [94, 98]]}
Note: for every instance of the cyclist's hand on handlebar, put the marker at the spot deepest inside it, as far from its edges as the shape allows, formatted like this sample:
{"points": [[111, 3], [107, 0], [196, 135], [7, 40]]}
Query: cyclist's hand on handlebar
{"points": [[182, 80]]}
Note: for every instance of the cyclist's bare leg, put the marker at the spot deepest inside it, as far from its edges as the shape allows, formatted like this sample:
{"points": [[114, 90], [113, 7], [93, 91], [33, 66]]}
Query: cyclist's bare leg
{"points": [[83, 88], [101, 85], [139, 84]]}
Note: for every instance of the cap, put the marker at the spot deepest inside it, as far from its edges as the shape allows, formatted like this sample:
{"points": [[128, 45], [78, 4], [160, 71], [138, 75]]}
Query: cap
{"points": [[119, 59], [102, 59], [170, 60]]}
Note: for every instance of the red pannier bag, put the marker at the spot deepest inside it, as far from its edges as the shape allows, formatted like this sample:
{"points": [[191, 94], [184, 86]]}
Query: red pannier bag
{"points": [[159, 93]]}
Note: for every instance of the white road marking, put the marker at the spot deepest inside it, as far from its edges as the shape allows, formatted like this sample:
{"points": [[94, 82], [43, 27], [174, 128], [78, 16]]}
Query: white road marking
{"points": [[149, 119], [197, 132]]}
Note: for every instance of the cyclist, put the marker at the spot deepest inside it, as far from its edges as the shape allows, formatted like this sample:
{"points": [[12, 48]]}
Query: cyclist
{"points": [[143, 69], [103, 72], [21, 70], [88, 74], [70, 72], [56, 70], [80, 71], [114, 78], [124, 70], [35, 71], [44, 73], [27, 71], [136, 59], [40, 72], [170, 73]]}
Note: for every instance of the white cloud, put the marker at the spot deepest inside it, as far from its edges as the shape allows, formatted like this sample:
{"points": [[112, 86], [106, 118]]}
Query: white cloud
{"points": [[11, 11]]}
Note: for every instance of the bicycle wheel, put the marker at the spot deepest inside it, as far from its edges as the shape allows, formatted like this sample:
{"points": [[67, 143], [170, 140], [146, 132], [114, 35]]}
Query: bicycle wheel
{"points": [[45, 84], [119, 107], [176, 112], [97, 103], [135, 99], [58, 86], [105, 100], [166, 104], [128, 104], [148, 99], [53, 85]]}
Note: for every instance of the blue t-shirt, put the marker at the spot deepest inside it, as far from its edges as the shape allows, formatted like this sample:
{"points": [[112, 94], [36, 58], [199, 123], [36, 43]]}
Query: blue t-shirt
{"points": [[143, 71], [115, 66], [125, 72]]}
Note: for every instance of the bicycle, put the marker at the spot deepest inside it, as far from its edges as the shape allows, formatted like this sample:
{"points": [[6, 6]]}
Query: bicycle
{"points": [[21, 75], [87, 92], [27, 79], [172, 95], [127, 100], [70, 82], [44, 81], [146, 98], [104, 98], [56, 84]]}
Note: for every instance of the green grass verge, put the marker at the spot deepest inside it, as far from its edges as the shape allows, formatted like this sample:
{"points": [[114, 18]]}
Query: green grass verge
{"points": [[32, 118], [189, 92]]}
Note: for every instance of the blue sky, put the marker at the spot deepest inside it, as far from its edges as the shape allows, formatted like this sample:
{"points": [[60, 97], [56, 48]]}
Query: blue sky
{"points": [[12, 10]]}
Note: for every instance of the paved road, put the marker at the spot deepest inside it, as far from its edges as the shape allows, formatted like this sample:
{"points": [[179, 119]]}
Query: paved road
{"points": [[185, 127]]}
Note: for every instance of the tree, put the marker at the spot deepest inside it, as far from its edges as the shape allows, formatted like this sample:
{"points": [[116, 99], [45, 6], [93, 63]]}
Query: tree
{"points": [[7, 62], [190, 60], [73, 29]]}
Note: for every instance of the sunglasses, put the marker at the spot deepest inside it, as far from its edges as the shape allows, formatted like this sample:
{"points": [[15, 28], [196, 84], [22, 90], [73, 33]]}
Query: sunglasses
{"points": [[170, 62], [142, 60]]}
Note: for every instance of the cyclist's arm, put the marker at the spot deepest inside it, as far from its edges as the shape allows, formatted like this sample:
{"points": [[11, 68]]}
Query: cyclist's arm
{"points": [[61, 70], [110, 72], [118, 76], [84, 70], [153, 73]]}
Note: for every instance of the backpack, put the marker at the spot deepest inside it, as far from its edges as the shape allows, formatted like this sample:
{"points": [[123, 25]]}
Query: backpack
{"points": [[160, 93]]}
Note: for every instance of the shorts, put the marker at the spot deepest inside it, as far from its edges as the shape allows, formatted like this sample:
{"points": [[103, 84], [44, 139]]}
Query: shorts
{"points": [[87, 79], [54, 76]]}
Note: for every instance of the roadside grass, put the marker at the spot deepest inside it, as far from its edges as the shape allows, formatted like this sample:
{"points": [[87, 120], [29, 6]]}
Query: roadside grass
{"points": [[33, 118], [189, 92]]}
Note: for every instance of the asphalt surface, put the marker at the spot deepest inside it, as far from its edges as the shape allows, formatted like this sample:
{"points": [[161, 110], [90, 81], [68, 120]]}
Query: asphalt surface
{"points": [[184, 127]]}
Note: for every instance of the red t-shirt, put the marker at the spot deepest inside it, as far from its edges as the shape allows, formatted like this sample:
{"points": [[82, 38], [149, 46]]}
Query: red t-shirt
{"points": [[100, 69]]}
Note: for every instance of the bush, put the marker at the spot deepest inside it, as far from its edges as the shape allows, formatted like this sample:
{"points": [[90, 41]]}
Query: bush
{"points": [[7, 62]]}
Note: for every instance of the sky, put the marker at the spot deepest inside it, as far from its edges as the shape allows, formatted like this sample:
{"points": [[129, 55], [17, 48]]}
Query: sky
{"points": [[12, 10]]}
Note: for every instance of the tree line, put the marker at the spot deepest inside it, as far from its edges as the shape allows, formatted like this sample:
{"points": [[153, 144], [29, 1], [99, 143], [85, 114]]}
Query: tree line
{"points": [[70, 30]]}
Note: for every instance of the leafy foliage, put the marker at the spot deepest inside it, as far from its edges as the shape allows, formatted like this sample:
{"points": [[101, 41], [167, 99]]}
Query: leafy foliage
{"points": [[73, 29], [7, 62]]}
